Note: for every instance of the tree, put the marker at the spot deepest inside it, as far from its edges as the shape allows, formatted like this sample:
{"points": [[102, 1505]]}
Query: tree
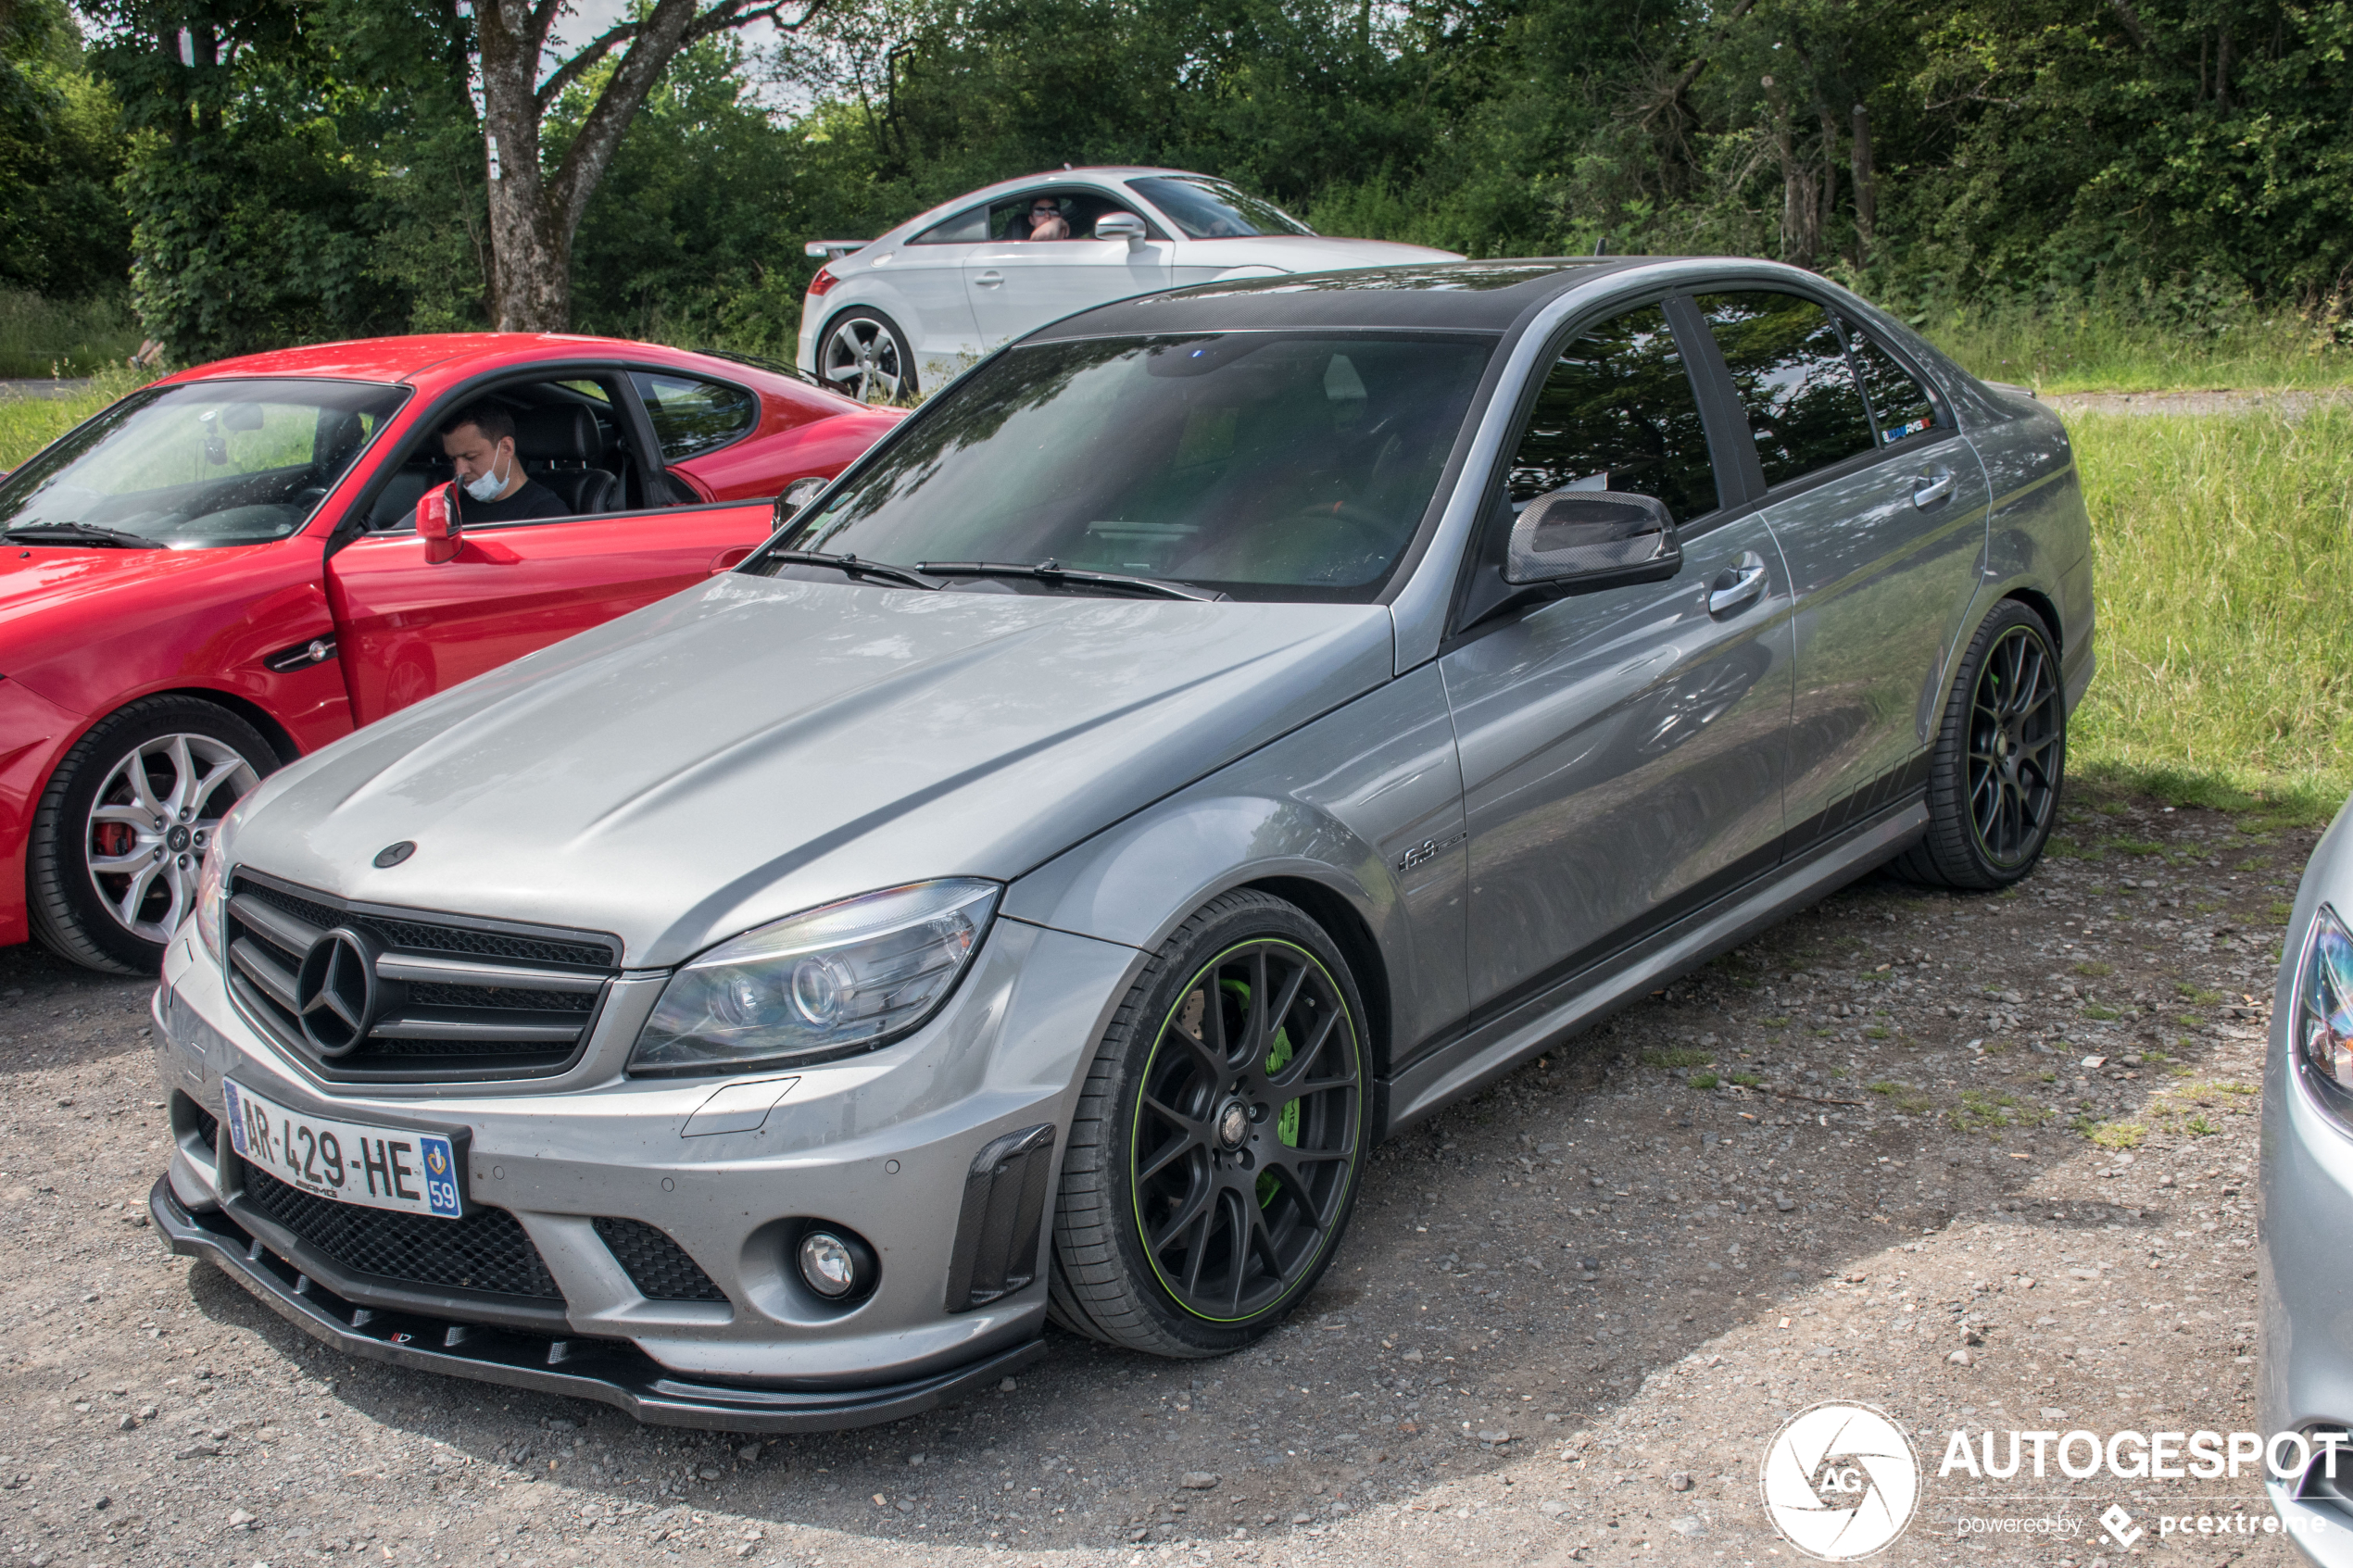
{"points": [[62, 232], [536, 213], [251, 215]]}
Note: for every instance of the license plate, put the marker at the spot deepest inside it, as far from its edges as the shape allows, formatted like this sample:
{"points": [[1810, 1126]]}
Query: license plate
{"points": [[396, 1168]]}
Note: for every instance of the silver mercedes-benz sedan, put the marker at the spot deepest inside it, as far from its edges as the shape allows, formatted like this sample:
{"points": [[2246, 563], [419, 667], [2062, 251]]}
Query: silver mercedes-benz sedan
{"points": [[1214, 732], [2307, 1175]]}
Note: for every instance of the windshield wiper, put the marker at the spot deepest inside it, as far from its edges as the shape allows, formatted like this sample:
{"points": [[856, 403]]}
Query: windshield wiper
{"points": [[1049, 571], [853, 565], [80, 534]]}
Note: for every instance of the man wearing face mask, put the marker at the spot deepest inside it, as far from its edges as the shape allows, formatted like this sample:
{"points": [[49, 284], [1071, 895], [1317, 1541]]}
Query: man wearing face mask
{"points": [[479, 441]]}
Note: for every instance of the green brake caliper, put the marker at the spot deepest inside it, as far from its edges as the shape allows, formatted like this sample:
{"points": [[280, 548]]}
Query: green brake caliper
{"points": [[1278, 1052]]}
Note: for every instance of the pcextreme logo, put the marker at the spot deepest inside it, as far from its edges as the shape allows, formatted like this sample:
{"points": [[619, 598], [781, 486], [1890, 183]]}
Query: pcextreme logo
{"points": [[1841, 1481]]}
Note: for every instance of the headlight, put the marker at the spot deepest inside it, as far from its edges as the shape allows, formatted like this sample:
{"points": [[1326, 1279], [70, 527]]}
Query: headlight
{"points": [[212, 886], [847, 977], [2324, 1029]]}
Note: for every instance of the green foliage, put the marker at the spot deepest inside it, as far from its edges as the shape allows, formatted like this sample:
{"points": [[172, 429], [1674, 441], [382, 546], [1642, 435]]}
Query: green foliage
{"points": [[63, 337], [62, 231]]}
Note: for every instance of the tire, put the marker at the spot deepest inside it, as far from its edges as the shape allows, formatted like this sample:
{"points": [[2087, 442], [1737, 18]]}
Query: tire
{"points": [[1244, 1182], [2000, 756], [863, 354], [192, 761]]}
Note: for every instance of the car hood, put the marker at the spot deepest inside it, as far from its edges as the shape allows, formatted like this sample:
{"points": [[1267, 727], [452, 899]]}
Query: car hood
{"points": [[35, 579], [753, 747]]}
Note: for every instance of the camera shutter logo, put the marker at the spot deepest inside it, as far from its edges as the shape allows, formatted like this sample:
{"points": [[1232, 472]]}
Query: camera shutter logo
{"points": [[1841, 1481]]}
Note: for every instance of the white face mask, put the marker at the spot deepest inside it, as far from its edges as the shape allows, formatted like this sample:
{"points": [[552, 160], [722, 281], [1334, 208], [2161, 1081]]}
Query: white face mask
{"points": [[486, 488]]}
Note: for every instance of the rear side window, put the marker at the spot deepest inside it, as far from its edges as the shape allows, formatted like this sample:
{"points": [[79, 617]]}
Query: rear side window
{"points": [[969, 227], [1796, 388], [1900, 404], [693, 416], [1618, 412]]}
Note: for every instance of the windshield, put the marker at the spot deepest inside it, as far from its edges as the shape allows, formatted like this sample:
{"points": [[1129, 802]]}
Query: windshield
{"points": [[1261, 465], [1211, 209], [202, 463]]}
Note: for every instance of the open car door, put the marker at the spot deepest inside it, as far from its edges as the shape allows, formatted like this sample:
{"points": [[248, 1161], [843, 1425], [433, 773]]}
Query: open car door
{"points": [[414, 616]]}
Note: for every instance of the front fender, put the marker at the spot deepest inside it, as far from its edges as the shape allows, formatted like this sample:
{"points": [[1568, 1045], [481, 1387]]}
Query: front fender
{"points": [[1357, 814]]}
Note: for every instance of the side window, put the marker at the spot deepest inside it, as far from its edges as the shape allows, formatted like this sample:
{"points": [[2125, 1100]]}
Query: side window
{"points": [[1900, 404], [1618, 412], [692, 416], [1795, 386], [969, 227]]}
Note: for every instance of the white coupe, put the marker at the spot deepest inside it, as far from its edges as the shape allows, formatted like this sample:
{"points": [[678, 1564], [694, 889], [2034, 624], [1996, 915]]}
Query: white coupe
{"points": [[885, 319]]}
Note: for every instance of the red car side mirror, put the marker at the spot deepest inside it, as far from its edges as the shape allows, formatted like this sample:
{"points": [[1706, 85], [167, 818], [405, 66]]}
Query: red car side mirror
{"points": [[437, 525]]}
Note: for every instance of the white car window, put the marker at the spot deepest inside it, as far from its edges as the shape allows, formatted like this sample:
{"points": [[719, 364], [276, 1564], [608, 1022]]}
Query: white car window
{"points": [[968, 227]]}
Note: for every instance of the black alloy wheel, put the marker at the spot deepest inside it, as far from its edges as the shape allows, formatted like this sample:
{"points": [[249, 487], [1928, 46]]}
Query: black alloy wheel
{"points": [[1220, 1137], [2015, 731], [1995, 772]]}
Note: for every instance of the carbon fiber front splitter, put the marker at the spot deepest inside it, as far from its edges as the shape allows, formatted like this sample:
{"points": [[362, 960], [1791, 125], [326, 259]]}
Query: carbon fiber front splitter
{"points": [[611, 1371]]}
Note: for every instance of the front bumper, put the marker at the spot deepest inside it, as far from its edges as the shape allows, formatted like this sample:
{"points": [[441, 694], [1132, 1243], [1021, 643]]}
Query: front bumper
{"points": [[612, 1372], [883, 1144]]}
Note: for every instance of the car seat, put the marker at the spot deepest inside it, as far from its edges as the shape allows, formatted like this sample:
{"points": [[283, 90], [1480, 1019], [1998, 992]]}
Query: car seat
{"points": [[558, 444]]}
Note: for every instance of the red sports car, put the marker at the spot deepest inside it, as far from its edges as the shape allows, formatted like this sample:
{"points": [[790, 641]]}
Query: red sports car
{"points": [[223, 571]]}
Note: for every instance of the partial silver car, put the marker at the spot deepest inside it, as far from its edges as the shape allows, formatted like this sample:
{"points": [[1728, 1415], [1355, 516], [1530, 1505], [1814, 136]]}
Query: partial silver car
{"points": [[894, 318], [2307, 1349], [1220, 730]]}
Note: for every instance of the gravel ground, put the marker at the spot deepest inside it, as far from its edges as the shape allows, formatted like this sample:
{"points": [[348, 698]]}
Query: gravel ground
{"points": [[1568, 1318]]}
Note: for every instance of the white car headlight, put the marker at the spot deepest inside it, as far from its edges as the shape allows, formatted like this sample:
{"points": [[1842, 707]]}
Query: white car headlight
{"points": [[2322, 1032], [212, 886], [847, 977]]}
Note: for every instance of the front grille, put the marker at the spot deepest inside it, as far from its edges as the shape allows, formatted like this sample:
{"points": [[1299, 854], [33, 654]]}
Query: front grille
{"points": [[457, 999], [658, 1266], [487, 1251]]}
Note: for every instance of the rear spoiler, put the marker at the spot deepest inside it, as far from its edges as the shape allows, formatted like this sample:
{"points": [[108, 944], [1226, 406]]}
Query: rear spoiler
{"points": [[830, 249]]}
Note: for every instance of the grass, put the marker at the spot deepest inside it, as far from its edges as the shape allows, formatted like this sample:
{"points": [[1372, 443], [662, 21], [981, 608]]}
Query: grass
{"points": [[27, 424], [2088, 349], [70, 338], [2220, 551]]}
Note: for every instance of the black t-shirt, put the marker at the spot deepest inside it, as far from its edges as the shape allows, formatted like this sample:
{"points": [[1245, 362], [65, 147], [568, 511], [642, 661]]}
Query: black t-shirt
{"points": [[533, 500]]}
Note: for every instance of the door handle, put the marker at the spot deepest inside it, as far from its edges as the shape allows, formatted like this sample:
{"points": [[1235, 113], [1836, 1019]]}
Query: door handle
{"points": [[989, 279], [1737, 585], [1931, 487]]}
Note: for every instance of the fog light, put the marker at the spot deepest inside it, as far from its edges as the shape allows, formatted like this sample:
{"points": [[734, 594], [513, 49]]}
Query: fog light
{"points": [[833, 1265]]}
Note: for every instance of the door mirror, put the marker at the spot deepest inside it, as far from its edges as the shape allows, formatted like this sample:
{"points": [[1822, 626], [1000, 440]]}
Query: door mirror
{"points": [[437, 525], [798, 494], [1584, 539], [1121, 226]]}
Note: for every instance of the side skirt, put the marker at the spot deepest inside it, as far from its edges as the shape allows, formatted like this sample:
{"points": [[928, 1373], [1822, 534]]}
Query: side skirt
{"points": [[1495, 1048]]}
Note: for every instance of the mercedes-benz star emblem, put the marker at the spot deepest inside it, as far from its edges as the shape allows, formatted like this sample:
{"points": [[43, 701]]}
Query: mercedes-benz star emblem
{"points": [[1233, 1125], [336, 994], [393, 854]]}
